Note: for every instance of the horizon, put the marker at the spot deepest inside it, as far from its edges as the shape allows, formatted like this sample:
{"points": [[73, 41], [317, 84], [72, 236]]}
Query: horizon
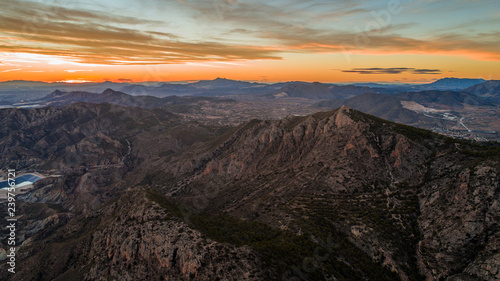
{"points": [[249, 81], [273, 41]]}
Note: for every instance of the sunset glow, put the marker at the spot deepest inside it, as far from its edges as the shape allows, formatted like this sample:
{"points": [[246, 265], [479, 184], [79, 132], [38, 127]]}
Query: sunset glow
{"points": [[326, 41]]}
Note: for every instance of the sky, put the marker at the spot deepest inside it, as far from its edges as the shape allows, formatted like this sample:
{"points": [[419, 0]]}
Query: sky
{"points": [[393, 41]]}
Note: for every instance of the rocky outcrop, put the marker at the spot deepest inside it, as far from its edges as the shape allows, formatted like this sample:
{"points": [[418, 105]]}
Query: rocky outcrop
{"points": [[141, 243], [460, 219], [400, 202], [132, 238], [405, 196]]}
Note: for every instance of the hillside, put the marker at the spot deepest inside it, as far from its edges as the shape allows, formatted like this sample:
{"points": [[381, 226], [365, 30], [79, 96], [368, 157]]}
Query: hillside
{"points": [[380, 185], [319, 91], [338, 194], [488, 90], [451, 84], [443, 99], [59, 98], [86, 135], [384, 106]]}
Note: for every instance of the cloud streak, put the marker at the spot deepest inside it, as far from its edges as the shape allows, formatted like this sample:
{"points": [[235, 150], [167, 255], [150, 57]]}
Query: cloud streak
{"points": [[295, 29], [236, 30], [392, 70], [87, 37]]}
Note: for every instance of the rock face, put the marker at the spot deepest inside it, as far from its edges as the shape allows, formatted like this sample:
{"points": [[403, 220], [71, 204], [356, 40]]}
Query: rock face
{"points": [[142, 243], [76, 136], [133, 238], [91, 136], [337, 195], [407, 197], [459, 220]]}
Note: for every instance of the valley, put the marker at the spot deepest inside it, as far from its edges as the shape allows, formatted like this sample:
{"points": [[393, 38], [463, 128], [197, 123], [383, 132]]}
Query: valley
{"points": [[438, 106]]}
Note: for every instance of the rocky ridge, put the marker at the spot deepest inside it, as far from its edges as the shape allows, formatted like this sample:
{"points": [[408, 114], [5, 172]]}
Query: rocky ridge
{"points": [[392, 201]]}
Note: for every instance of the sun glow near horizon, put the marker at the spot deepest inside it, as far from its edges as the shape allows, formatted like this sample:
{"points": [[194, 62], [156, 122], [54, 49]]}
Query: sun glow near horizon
{"points": [[263, 41]]}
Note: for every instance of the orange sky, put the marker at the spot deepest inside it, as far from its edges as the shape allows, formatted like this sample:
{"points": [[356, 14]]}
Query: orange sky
{"points": [[294, 67], [275, 40]]}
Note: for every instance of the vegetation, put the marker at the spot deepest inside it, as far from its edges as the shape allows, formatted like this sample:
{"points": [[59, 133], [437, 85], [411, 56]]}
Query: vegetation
{"points": [[483, 150], [415, 133], [318, 252]]}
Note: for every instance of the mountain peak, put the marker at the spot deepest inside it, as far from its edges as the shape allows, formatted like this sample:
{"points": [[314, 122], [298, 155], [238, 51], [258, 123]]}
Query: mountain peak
{"points": [[57, 93], [345, 109], [108, 91], [343, 117]]}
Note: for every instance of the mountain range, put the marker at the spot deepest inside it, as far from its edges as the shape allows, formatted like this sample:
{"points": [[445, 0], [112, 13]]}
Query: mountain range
{"points": [[392, 107], [339, 195], [411, 108], [58, 98], [15, 91]]}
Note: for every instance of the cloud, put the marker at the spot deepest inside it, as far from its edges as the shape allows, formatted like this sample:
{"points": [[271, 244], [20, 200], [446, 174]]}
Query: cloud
{"points": [[124, 80], [236, 30], [339, 27], [426, 71], [77, 70], [392, 70], [93, 37], [9, 70]]}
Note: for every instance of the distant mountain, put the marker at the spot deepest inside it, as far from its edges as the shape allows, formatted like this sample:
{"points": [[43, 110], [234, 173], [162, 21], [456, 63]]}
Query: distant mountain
{"points": [[390, 107], [162, 90], [318, 91], [18, 90], [59, 98], [444, 84], [380, 105], [223, 83], [15, 91], [452, 84], [303, 90], [216, 87], [22, 83], [489, 90], [443, 99], [347, 91], [377, 85]]}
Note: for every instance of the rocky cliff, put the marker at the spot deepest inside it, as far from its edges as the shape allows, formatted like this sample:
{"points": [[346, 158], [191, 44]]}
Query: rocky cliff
{"points": [[337, 195], [129, 238], [418, 203]]}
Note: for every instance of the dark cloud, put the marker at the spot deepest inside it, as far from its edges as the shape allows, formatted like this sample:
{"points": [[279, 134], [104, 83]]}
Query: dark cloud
{"points": [[426, 71], [125, 80], [392, 70], [378, 70]]}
